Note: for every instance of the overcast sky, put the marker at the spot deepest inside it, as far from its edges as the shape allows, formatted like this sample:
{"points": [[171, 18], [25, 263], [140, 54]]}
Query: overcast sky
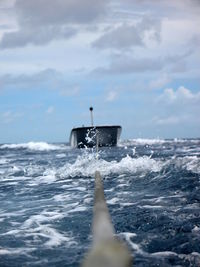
{"points": [[137, 62]]}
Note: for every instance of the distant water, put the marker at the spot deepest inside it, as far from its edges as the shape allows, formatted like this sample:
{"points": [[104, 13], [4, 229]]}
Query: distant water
{"points": [[152, 188]]}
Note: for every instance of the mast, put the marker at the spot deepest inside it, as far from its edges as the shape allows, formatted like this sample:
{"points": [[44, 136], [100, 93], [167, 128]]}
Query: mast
{"points": [[91, 113]]}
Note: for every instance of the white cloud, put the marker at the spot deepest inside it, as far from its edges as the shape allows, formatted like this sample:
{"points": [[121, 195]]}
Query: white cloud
{"points": [[122, 64], [25, 81], [50, 110], [160, 82], [178, 108], [181, 95], [10, 116], [166, 8], [48, 79], [70, 90], [167, 120], [111, 96]]}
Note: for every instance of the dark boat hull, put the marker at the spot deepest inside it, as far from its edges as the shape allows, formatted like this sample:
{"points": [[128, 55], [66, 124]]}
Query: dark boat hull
{"points": [[89, 136]]}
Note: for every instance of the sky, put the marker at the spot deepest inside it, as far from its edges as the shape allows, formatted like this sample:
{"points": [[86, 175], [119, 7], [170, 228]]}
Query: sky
{"points": [[137, 62]]}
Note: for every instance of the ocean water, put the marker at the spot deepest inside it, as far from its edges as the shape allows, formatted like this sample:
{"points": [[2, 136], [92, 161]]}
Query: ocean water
{"points": [[152, 188]]}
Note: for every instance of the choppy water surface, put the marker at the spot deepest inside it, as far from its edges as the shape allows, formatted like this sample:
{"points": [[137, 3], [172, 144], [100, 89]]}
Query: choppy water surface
{"points": [[152, 188]]}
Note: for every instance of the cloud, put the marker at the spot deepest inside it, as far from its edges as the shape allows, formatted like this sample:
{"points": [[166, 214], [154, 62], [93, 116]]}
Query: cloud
{"points": [[70, 90], [41, 21], [25, 81], [10, 116], [130, 35], [111, 96], [48, 79], [36, 36], [177, 107], [123, 36], [165, 8], [125, 65], [167, 120], [160, 82], [182, 96], [50, 110], [50, 12]]}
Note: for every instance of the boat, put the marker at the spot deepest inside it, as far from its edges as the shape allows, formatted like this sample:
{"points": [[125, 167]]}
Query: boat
{"points": [[90, 136]]}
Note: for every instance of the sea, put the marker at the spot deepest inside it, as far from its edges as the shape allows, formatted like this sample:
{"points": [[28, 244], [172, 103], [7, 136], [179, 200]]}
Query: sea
{"points": [[152, 188]]}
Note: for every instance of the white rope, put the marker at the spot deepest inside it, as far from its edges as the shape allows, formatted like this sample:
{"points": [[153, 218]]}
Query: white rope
{"points": [[106, 250]]}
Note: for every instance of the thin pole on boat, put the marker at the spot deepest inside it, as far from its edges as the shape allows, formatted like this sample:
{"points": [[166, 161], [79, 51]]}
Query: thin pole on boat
{"points": [[91, 113], [97, 144]]}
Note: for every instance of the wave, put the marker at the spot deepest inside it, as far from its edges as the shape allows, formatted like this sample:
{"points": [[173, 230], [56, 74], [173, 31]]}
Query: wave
{"points": [[140, 141], [190, 163], [41, 226], [147, 141], [39, 146], [87, 164]]}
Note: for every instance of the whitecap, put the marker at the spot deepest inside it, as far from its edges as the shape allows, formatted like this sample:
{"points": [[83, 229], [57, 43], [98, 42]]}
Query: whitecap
{"points": [[54, 237], [87, 164], [190, 163], [41, 226], [196, 229], [150, 207], [13, 251], [133, 245], [39, 146], [62, 197], [45, 216], [4, 161], [60, 156], [164, 254], [127, 204], [141, 141], [113, 201], [88, 200], [78, 209]]}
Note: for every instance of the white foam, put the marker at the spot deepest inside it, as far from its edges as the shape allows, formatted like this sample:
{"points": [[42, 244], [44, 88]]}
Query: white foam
{"points": [[196, 229], [61, 155], [164, 254], [128, 235], [41, 226], [191, 163], [3, 161], [54, 237], [80, 188], [49, 176], [14, 251], [40, 146], [88, 200], [150, 207], [134, 246], [127, 204], [62, 197], [122, 185], [78, 209], [87, 164], [113, 201], [45, 216], [141, 141], [4, 251], [153, 141]]}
